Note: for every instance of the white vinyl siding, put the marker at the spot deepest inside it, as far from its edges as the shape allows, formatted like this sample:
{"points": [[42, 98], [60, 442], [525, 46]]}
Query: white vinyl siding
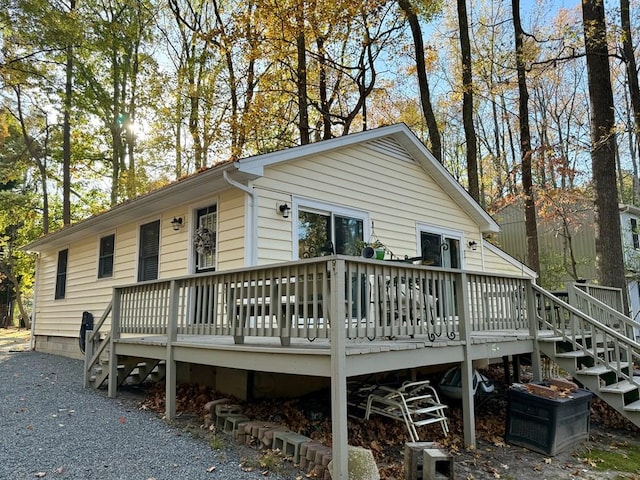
{"points": [[232, 215], [378, 178], [395, 191]]}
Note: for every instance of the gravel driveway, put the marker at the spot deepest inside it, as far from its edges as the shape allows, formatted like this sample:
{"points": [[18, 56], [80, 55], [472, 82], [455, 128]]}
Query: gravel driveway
{"points": [[51, 427]]}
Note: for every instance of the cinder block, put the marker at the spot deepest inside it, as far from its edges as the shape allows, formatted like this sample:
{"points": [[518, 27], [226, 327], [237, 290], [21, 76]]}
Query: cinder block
{"points": [[289, 443], [231, 422], [438, 464], [223, 410], [413, 459]]}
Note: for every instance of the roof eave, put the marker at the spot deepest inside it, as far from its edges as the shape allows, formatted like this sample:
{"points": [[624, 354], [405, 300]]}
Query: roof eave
{"points": [[147, 205]]}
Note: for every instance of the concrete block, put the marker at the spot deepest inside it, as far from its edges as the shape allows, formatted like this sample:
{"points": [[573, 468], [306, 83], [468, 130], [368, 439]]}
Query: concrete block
{"points": [[231, 422], [413, 459], [289, 443], [438, 464]]}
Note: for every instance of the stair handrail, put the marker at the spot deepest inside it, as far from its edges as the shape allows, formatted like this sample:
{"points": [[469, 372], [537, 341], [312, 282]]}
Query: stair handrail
{"points": [[621, 343], [91, 358], [629, 324]]}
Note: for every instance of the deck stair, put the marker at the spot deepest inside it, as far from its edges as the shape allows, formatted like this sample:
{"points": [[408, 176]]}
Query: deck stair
{"points": [[600, 357], [131, 370]]}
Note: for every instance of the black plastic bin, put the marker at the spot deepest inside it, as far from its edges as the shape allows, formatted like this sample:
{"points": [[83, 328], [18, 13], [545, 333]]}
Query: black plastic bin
{"points": [[547, 426]]}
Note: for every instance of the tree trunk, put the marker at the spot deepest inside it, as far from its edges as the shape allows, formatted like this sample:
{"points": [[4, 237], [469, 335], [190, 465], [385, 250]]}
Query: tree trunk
{"points": [[467, 102], [66, 133], [531, 226], [632, 78], [423, 82], [609, 254], [301, 76]]}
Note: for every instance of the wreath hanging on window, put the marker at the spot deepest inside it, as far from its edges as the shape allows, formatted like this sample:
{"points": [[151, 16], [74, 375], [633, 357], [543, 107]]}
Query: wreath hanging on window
{"points": [[203, 240]]}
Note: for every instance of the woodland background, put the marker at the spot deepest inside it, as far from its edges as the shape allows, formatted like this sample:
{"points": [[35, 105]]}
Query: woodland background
{"points": [[102, 100]]}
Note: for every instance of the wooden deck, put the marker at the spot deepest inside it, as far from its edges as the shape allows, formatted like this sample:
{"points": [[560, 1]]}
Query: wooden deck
{"points": [[282, 318], [303, 357]]}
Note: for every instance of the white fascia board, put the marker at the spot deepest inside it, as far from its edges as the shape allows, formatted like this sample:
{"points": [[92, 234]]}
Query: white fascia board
{"points": [[257, 163]]}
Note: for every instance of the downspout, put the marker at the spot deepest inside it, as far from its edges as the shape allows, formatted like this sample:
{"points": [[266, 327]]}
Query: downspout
{"points": [[34, 306], [251, 236]]}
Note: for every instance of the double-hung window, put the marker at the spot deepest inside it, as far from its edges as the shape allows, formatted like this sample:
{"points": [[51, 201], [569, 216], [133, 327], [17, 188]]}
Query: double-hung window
{"points": [[105, 260], [634, 233], [149, 251], [61, 274], [326, 230]]}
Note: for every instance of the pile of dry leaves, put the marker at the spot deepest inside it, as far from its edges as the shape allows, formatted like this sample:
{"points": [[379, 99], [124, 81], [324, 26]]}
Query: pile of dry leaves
{"points": [[310, 416]]}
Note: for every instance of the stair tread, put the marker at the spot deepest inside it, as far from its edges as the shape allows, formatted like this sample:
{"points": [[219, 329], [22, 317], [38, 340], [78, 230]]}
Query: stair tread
{"points": [[582, 353], [558, 338], [600, 369], [621, 387], [633, 407]]}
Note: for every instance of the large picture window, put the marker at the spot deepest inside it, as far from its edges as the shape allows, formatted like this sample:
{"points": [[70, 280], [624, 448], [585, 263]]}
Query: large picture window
{"points": [[105, 261], [149, 251], [61, 274], [328, 232]]}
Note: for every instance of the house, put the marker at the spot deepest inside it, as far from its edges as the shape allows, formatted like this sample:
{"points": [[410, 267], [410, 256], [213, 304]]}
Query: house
{"points": [[250, 266], [277, 207]]}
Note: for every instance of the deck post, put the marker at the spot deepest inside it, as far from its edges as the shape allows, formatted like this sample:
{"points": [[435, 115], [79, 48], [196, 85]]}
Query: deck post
{"points": [[536, 366], [338, 372], [172, 336], [115, 335], [88, 355], [466, 372]]}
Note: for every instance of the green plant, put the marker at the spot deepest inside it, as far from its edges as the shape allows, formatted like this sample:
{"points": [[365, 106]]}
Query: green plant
{"points": [[216, 443], [268, 460], [625, 458]]}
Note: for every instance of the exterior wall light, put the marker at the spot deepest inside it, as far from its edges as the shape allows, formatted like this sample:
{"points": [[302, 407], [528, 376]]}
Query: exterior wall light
{"points": [[176, 223], [284, 210], [473, 245]]}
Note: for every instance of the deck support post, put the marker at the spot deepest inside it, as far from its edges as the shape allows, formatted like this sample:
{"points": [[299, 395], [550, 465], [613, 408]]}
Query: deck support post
{"points": [[338, 372], [468, 410], [172, 336], [88, 355], [112, 384], [536, 363]]}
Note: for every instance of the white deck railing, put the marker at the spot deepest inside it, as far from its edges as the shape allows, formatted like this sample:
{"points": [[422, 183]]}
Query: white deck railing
{"points": [[294, 300]]}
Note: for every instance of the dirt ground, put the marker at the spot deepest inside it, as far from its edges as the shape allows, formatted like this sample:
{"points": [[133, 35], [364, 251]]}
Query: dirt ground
{"points": [[493, 458]]}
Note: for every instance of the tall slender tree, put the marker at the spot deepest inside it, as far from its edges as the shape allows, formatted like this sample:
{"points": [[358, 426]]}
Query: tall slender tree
{"points": [[632, 73], [467, 102], [423, 81], [530, 222], [66, 129], [609, 253]]}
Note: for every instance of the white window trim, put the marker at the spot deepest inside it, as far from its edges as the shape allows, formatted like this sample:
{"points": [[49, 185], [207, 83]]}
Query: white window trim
{"points": [[317, 206], [443, 231], [115, 239], [191, 251], [137, 257]]}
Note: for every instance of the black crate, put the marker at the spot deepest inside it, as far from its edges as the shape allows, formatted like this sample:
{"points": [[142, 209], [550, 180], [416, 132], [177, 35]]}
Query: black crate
{"points": [[544, 425]]}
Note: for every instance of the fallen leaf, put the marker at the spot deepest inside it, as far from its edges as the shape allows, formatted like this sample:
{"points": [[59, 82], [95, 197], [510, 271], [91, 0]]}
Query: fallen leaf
{"points": [[211, 469], [122, 420]]}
